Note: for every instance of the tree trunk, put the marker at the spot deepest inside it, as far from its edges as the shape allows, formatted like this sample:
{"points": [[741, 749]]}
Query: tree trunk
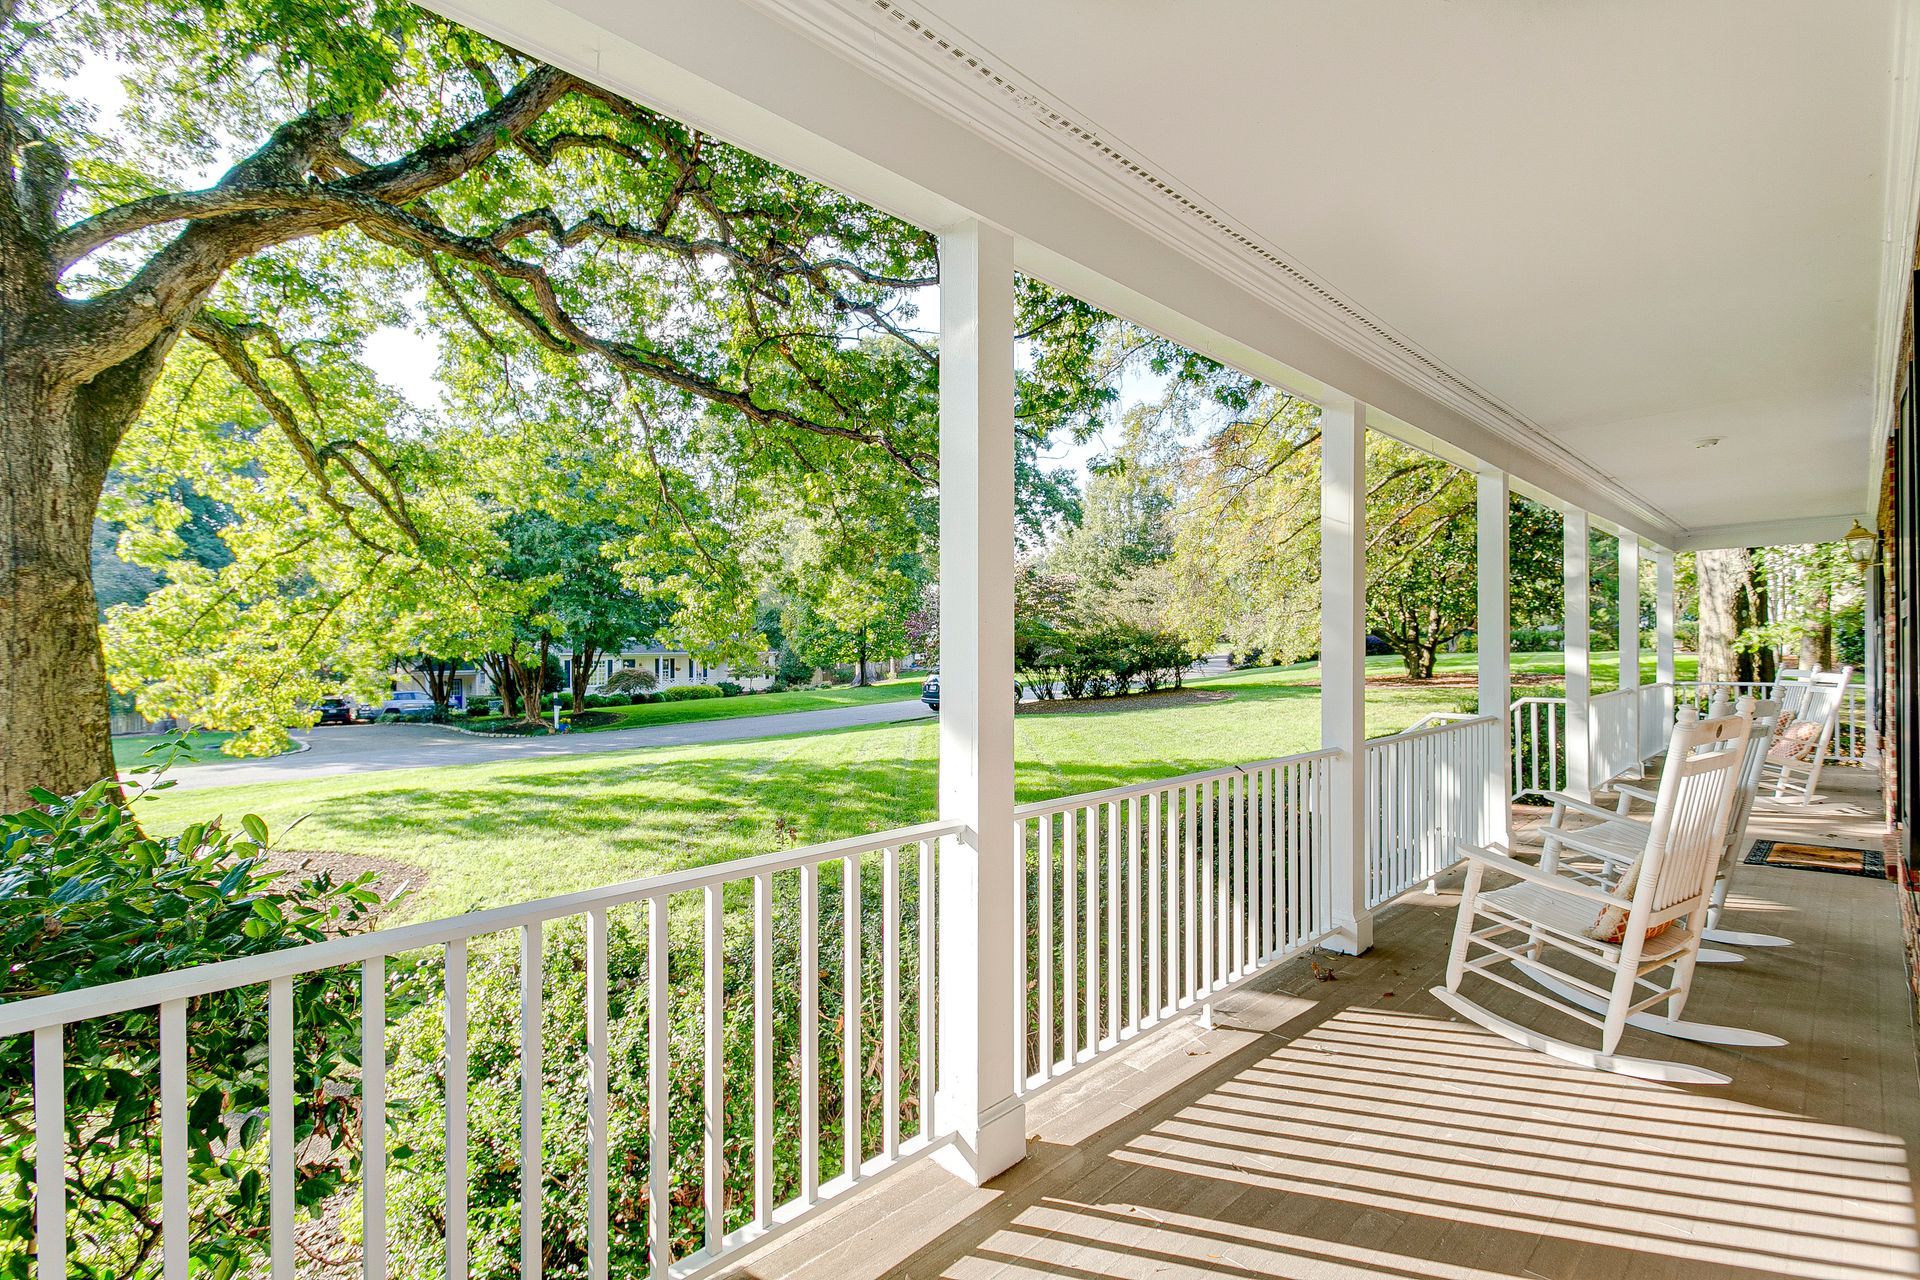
{"points": [[582, 671], [55, 446], [860, 660], [1724, 577]]}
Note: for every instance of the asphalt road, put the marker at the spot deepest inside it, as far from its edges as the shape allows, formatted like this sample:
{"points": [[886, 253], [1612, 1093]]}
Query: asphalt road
{"points": [[378, 748]]}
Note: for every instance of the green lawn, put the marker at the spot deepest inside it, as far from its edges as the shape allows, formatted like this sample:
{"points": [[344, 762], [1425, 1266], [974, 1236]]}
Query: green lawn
{"points": [[130, 750], [495, 833], [757, 704]]}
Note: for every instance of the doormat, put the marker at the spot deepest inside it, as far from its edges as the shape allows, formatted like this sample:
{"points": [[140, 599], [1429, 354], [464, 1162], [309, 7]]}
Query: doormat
{"points": [[1818, 857]]}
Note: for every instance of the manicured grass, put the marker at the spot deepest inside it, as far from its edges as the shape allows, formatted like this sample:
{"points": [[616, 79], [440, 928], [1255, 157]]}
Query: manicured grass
{"points": [[489, 834], [757, 704], [130, 750]]}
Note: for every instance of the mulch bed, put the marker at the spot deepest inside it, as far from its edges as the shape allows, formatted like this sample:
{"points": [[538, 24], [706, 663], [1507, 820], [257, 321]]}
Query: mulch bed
{"points": [[1125, 702], [1462, 680], [390, 877]]}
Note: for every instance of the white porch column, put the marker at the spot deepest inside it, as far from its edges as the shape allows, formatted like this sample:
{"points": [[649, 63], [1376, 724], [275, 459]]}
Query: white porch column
{"points": [[978, 1053], [1493, 639], [1628, 595], [1663, 609], [1629, 610], [1343, 661], [1577, 628]]}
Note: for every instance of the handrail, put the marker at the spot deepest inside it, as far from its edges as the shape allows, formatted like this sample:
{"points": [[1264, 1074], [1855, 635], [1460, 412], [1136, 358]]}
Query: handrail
{"points": [[22, 1016], [1084, 799], [1417, 732]]}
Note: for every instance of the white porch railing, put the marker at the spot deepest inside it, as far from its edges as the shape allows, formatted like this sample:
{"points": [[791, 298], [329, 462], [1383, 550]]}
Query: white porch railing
{"points": [[1850, 732], [1613, 733], [1140, 902], [1539, 728], [1145, 900], [1428, 789], [862, 875]]}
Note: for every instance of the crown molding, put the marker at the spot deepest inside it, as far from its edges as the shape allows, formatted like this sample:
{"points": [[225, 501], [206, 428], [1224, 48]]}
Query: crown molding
{"points": [[927, 58]]}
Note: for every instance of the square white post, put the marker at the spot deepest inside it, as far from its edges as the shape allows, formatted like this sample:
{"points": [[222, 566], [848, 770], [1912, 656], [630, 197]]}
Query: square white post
{"points": [[977, 1046], [1629, 611], [1663, 608], [1493, 639], [1577, 628], [1343, 662]]}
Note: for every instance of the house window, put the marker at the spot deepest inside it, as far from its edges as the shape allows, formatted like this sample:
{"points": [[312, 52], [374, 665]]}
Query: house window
{"points": [[627, 663]]}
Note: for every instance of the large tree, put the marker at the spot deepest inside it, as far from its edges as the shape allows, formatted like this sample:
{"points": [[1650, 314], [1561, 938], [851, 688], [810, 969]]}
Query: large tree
{"points": [[1247, 544], [285, 178]]}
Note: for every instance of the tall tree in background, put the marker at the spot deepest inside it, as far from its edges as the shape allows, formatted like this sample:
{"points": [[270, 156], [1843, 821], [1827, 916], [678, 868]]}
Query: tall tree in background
{"points": [[1247, 548], [1733, 602]]}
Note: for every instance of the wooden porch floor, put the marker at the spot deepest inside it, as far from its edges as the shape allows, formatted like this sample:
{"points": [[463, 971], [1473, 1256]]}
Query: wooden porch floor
{"points": [[1354, 1127]]}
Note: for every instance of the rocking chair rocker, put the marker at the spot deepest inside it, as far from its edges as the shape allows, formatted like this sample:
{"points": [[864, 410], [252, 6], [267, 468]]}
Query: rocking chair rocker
{"points": [[1645, 925]]}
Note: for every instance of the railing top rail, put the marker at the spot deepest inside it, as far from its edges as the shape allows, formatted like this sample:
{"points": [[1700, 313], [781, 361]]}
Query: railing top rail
{"points": [[1615, 695], [21, 1016], [1060, 804], [1431, 730], [1538, 698]]}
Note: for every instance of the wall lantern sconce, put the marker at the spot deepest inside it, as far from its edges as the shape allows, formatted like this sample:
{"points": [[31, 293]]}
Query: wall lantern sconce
{"points": [[1862, 546]]}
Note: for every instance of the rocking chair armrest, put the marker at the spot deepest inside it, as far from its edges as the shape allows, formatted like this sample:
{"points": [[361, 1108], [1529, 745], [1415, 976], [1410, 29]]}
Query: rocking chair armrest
{"points": [[1547, 879], [1572, 840], [1637, 793], [1561, 798]]}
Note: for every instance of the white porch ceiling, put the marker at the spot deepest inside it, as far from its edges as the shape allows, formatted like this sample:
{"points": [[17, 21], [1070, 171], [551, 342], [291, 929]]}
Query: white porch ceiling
{"points": [[1572, 239]]}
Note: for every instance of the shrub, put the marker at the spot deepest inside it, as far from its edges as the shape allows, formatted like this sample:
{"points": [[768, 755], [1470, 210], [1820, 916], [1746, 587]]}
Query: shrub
{"points": [[86, 898], [790, 668], [689, 692], [416, 1186], [1537, 640], [630, 680], [779, 686], [728, 688]]}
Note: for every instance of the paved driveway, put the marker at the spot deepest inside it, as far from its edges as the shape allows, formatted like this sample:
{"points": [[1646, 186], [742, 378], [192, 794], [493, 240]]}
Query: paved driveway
{"points": [[378, 748]]}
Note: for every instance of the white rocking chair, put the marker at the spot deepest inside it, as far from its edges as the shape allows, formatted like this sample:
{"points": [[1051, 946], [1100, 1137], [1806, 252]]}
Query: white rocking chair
{"points": [[1664, 896], [1796, 769], [1615, 840]]}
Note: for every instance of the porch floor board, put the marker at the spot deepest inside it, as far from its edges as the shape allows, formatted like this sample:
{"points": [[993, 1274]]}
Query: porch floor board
{"points": [[1355, 1128]]}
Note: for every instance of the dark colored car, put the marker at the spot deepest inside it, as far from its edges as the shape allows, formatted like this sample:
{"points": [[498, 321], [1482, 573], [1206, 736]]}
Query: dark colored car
{"points": [[930, 692], [337, 711]]}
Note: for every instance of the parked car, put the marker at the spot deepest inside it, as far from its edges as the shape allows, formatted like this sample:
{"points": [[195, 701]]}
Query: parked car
{"points": [[338, 711], [408, 704], [930, 692]]}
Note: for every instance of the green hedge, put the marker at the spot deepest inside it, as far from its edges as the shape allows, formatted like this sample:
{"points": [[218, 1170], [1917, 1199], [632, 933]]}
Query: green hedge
{"points": [[690, 692]]}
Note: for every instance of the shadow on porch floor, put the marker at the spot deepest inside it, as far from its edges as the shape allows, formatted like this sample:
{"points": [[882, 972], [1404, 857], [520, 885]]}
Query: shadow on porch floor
{"points": [[1353, 1128]]}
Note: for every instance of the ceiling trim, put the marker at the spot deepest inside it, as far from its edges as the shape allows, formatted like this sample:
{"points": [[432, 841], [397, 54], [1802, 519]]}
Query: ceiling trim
{"points": [[1794, 531], [930, 60]]}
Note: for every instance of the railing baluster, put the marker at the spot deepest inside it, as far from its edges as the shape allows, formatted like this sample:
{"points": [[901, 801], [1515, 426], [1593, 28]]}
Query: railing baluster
{"points": [[929, 958], [173, 1138], [599, 1103], [373, 1118], [763, 1050], [659, 1148], [532, 1174], [456, 1086], [809, 1033], [1112, 864], [1156, 925], [1069, 941], [1210, 882], [1090, 832], [851, 1104], [713, 1174], [1134, 814], [890, 996], [1043, 867], [1190, 990], [280, 1136], [50, 1152]]}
